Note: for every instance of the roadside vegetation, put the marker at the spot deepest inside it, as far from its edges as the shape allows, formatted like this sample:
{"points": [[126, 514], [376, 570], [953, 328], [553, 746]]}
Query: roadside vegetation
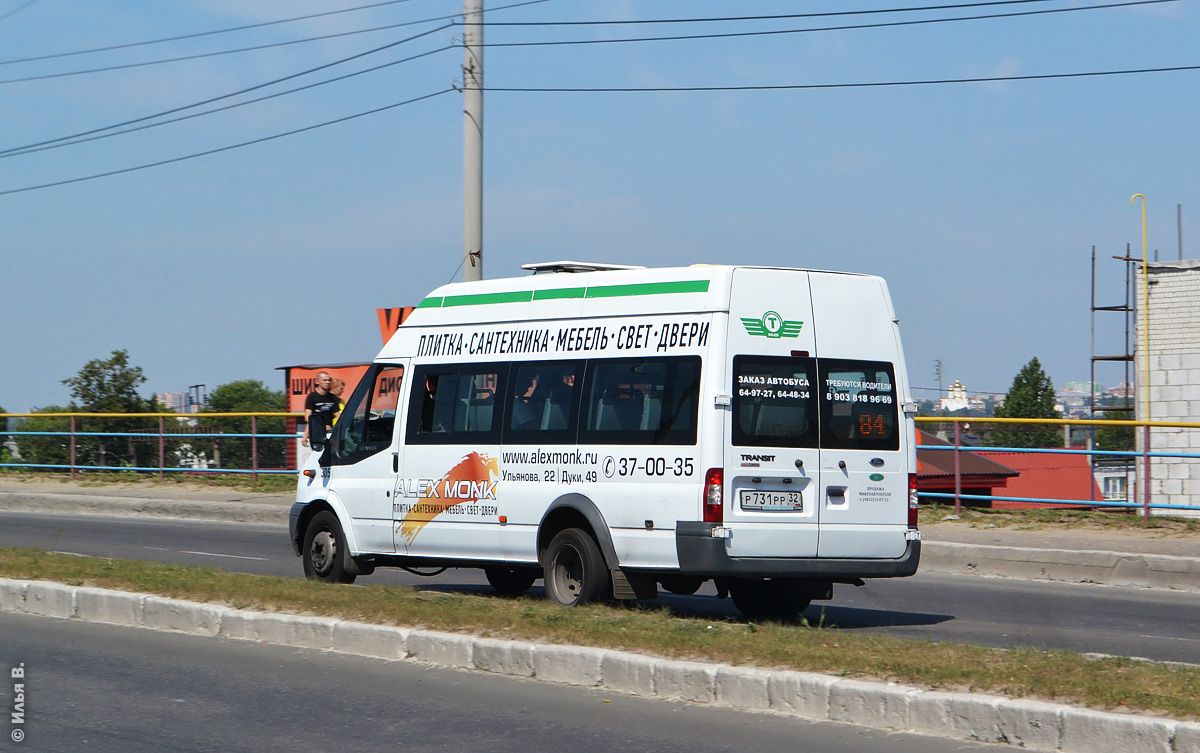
{"points": [[267, 483], [1050, 520], [1063, 676]]}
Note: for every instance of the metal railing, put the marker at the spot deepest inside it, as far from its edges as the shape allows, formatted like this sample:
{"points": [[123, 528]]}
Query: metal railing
{"points": [[73, 434], [164, 435], [1143, 471]]}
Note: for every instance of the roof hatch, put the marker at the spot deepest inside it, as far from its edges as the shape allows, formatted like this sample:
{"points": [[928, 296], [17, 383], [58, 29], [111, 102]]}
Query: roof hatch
{"points": [[576, 266]]}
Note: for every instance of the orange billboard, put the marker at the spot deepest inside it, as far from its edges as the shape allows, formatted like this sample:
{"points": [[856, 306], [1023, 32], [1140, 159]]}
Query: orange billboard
{"points": [[303, 380]]}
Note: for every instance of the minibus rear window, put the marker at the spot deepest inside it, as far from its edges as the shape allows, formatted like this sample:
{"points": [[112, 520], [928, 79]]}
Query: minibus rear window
{"points": [[858, 405], [773, 402]]}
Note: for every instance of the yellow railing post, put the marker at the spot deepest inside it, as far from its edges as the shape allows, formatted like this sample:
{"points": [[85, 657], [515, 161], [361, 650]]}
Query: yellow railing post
{"points": [[1145, 364]]}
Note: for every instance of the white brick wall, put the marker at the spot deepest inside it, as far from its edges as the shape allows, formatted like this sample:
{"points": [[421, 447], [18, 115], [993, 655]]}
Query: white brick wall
{"points": [[1174, 350]]}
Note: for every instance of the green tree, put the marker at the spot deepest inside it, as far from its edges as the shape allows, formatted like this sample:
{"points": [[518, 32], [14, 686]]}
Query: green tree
{"points": [[5, 455], [246, 396], [111, 386], [46, 450], [1115, 437], [1031, 396]]}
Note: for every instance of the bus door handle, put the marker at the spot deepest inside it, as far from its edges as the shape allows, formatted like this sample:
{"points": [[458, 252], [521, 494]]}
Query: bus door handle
{"points": [[838, 492], [395, 462]]}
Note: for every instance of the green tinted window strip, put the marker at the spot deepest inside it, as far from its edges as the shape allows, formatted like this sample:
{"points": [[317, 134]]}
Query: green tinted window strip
{"points": [[596, 291], [647, 288], [478, 299], [557, 293]]}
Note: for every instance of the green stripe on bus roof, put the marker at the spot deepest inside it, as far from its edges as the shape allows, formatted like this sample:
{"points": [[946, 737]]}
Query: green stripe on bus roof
{"points": [[647, 288], [549, 295], [479, 299], [595, 291]]}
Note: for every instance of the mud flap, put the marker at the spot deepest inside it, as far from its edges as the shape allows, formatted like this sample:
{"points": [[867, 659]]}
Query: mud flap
{"points": [[633, 586]]}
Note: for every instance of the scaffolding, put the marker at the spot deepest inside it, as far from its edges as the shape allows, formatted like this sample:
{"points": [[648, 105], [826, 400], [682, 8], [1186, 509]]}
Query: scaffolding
{"points": [[1126, 358]]}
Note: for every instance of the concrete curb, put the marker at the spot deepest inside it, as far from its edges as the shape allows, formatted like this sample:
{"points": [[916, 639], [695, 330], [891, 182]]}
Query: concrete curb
{"points": [[226, 512], [1033, 725], [1159, 571]]}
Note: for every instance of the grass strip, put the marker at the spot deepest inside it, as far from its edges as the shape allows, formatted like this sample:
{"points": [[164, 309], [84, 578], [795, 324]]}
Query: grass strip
{"points": [[276, 483], [1056, 519], [1063, 676]]}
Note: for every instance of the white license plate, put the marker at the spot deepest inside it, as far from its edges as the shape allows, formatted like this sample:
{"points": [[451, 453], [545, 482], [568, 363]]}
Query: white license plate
{"points": [[770, 501]]}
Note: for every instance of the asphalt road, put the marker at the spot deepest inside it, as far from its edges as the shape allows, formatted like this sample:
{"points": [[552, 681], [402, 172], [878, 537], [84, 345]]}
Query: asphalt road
{"points": [[105, 688], [990, 611]]}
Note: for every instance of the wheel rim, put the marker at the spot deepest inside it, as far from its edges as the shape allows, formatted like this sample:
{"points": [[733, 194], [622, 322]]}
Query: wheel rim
{"points": [[322, 552], [567, 575]]}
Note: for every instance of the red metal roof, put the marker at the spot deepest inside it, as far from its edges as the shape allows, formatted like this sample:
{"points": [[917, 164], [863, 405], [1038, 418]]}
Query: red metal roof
{"points": [[934, 465], [1046, 476]]}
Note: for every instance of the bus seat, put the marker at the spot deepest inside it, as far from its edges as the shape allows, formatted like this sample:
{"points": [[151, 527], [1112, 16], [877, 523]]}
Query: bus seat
{"points": [[651, 413], [554, 414], [523, 414]]}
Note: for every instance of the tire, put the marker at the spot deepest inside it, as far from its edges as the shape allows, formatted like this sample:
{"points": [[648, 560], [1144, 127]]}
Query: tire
{"points": [[769, 599], [681, 585], [511, 581], [575, 571], [324, 552]]}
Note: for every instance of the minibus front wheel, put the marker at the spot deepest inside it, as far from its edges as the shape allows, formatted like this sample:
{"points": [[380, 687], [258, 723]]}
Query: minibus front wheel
{"points": [[575, 571], [323, 551]]}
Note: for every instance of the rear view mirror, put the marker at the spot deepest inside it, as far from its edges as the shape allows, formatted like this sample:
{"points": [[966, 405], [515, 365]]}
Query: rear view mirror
{"points": [[317, 431]]}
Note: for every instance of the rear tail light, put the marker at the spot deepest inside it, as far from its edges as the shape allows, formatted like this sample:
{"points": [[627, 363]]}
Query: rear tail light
{"points": [[714, 498], [912, 500]]}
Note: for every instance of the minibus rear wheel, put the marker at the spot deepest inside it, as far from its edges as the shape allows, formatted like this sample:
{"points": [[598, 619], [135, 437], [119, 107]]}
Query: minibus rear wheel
{"points": [[511, 581], [323, 550], [575, 571], [769, 599]]}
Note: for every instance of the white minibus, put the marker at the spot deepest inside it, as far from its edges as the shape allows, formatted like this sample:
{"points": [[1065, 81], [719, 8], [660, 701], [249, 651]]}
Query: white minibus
{"points": [[612, 429]]}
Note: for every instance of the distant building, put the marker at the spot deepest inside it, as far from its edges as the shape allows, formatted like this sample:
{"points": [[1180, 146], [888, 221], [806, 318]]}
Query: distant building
{"points": [[173, 401], [956, 398]]}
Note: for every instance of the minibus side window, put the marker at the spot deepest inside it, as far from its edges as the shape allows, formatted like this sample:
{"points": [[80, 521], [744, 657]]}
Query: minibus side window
{"points": [[858, 405], [456, 404], [544, 402], [641, 401], [366, 424], [774, 403]]}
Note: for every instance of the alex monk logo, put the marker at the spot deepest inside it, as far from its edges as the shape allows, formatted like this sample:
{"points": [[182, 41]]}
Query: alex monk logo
{"points": [[772, 325]]}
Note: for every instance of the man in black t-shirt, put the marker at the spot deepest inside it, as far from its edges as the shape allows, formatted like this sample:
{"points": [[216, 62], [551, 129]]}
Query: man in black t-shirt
{"points": [[322, 401]]}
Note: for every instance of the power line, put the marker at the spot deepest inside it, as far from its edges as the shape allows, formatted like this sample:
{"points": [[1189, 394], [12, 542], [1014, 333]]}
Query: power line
{"points": [[778, 17], [73, 140], [231, 147], [857, 85], [18, 9], [199, 56], [252, 26], [849, 27], [197, 34], [210, 100]]}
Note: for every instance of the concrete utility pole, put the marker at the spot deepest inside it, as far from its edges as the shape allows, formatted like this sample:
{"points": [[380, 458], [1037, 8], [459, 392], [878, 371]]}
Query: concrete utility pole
{"points": [[472, 140]]}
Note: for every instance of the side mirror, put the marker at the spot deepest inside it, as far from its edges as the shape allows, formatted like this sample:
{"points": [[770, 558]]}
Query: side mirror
{"points": [[317, 431]]}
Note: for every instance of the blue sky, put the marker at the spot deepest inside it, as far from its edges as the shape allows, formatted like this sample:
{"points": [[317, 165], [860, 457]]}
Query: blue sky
{"points": [[978, 202]]}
